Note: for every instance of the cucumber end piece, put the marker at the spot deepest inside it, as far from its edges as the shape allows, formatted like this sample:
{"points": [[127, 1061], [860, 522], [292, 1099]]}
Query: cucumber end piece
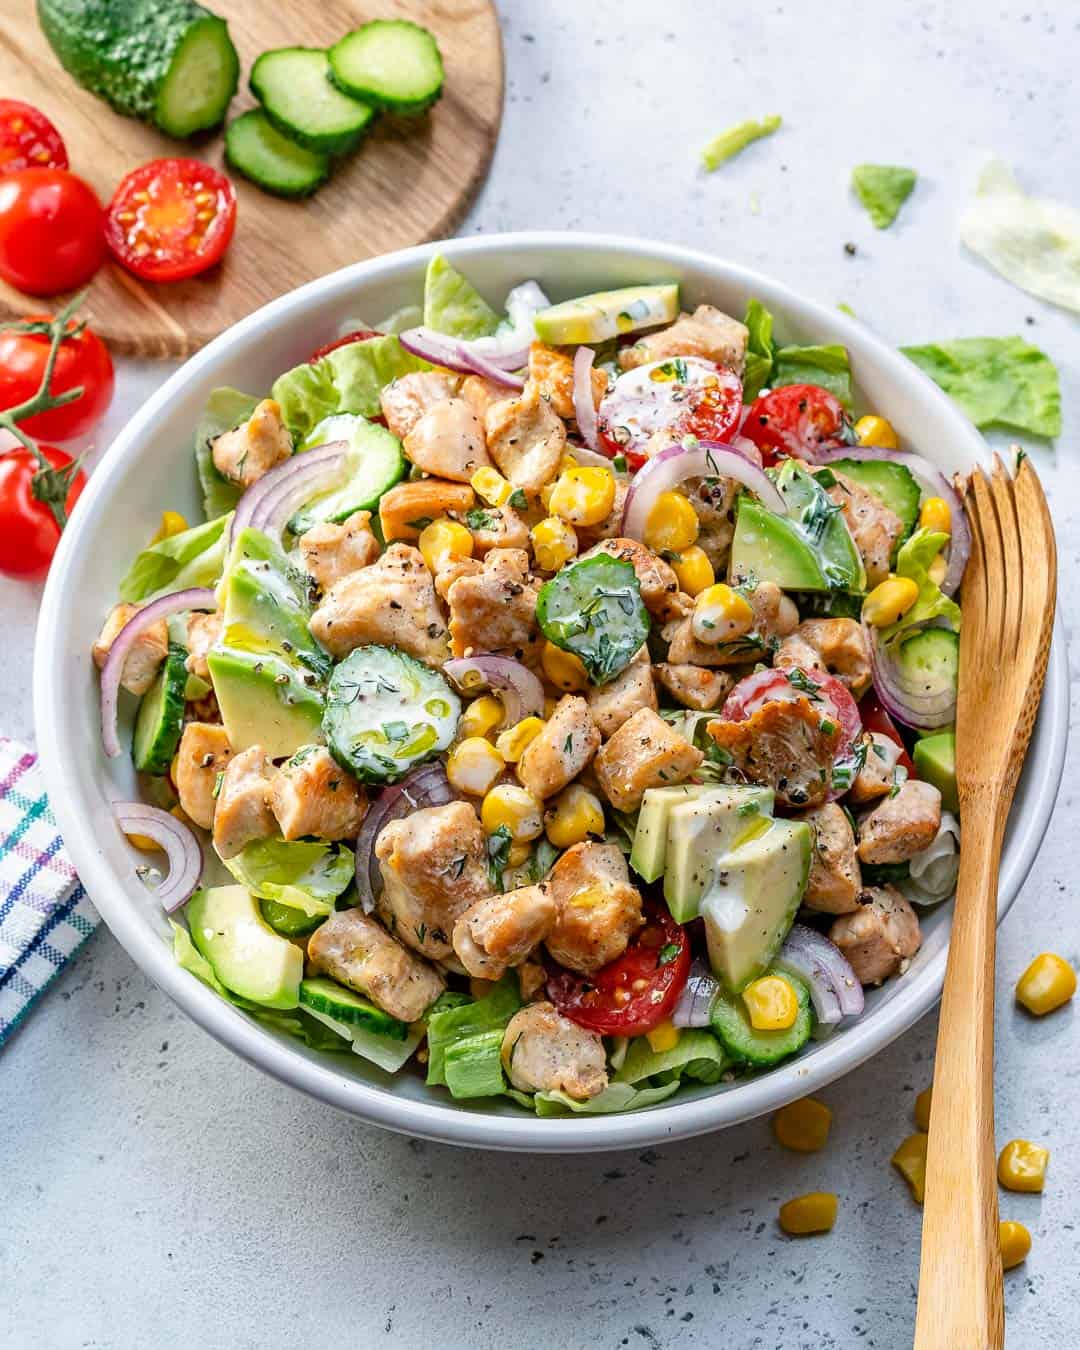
{"points": [[200, 82]]}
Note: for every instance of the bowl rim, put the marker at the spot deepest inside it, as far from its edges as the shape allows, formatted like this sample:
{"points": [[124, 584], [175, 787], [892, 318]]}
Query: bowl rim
{"points": [[448, 1123]]}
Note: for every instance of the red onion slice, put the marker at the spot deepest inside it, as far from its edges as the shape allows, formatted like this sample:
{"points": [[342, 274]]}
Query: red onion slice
{"points": [[903, 698], [521, 692], [177, 842], [465, 357], [426, 786], [489, 370], [584, 407], [694, 1005], [268, 504], [834, 987], [196, 598]]}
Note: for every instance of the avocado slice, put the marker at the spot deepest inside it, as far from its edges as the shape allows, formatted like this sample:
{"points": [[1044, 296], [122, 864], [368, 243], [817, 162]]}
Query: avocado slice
{"points": [[935, 760], [649, 851], [608, 314], [245, 954], [699, 832]]}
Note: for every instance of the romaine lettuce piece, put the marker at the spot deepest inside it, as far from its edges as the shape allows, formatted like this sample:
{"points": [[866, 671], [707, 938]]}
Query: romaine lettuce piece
{"points": [[698, 1055], [913, 560], [760, 350], [452, 305], [828, 366], [464, 1042], [735, 140], [997, 381], [349, 379], [882, 189], [300, 875], [195, 557], [615, 1097]]}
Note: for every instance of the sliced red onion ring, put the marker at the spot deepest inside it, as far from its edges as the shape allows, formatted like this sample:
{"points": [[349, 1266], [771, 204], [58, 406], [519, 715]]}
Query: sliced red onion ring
{"points": [[835, 990], [426, 786], [465, 357], [902, 697], [521, 692], [176, 841], [490, 370], [268, 504], [693, 459], [584, 407], [196, 598], [694, 1005]]}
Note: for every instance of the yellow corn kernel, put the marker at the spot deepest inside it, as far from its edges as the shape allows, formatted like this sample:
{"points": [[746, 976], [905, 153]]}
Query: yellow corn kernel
{"points": [[519, 854], [720, 614], [550, 704], [482, 715], [564, 669], [515, 808], [771, 1002], [512, 742], [672, 523], [813, 1213], [934, 514], [694, 570], [172, 522], [938, 569], [876, 431], [664, 1036], [1022, 1165], [922, 1108], [910, 1161], [1046, 984], [442, 541], [803, 1126], [144, 844], [474, 766], [575, 814], [583, 496], [489, 484], [554, 543], [1015, 1242], [889, 601]]}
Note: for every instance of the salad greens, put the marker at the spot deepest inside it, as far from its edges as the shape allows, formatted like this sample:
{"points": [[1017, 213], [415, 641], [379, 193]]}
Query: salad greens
{"points": [[882, 189], [453, 305], [346, 380], [300, 875], [914, 560], [769, 364], [193, 557], [735, 140], [1001, 381], [465, 1041]]}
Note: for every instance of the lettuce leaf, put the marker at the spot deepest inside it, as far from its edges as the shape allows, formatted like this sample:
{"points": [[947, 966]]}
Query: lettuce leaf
{"points": [[225, 408], [452, 305], [828, 366], [760, 350], [349, 379], [913, 560], [882, 189], [465, 1042], [698, 1055], [997, 381], [194, 557], [304, 876], [735, 139], [615, 1097]]}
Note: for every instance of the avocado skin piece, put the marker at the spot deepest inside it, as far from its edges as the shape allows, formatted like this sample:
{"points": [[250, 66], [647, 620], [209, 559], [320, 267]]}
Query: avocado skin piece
{"points": [[247, 956], [935, 760]]}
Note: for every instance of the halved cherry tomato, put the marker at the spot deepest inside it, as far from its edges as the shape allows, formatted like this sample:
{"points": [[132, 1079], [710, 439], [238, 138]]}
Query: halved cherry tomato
{"points": [[28, 140], [875, 718], [796, 419], [636, 991], [171, 219], [358, 335], [688, 394], [28, 530], [50, 231], [81, 361]]}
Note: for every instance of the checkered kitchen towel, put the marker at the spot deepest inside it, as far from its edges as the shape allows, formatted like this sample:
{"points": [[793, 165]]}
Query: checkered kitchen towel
{"points": [[45, 916]]}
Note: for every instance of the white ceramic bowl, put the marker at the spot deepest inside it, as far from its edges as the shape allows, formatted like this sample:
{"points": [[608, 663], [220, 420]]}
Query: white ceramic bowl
{"points": [[150, 467]]}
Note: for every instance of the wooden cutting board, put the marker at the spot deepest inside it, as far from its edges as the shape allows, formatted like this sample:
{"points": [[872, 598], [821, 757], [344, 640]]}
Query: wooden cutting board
{"points": [[409, 182]]}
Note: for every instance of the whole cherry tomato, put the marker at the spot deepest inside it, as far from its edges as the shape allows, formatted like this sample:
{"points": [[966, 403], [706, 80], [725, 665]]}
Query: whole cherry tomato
{"points": [[80, 361], [50, 231], [171, 219], [796, 420], [28, 140], [358, 335], [28, 529]]}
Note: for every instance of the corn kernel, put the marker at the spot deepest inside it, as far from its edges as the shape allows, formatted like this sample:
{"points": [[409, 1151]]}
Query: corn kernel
{"points": [[563, 669], [694, 570], [489, 484], [1046, 984], [889, 601], [575, 814], [550, 704], [482, 715], [664, 1036], [1022, 1165], [938, 569], [922, 1108], [172, 522], [583, 496], [513, 742], [442, 541], [934, 514], [144, 843], [1015, 1242], [515, 808], [474, 766], [672, 524], [813, 1213], [910, 1161], [554, 543], [876, 431], [519, 854], [771, 1003], [721, 614], [803, 1126]]}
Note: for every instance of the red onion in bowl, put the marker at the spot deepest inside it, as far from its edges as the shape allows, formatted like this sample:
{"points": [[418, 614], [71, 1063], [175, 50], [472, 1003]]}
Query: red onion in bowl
{"points": [[584, 407], [268, 504], [521, 692], [902, 697], [694, 1005], [465, 357], [834, 987], [426, 786], [490, 370], [175, 839]]}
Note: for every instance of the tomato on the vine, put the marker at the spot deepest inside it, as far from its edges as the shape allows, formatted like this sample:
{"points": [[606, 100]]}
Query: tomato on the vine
{"points": [[171, 219], [28, 529], [82, 361], [796, 420], [357, 335], [50, 231], [28, 140]]}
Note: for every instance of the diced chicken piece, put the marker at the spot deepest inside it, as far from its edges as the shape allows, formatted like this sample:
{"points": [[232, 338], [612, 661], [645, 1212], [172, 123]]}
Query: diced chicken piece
{"points": [[331, 551], [645, 752], [775, 616], [448, 441], [835, 879], [786, 745], [543, 1051], [203, 753], [203, 630], [558, 754], [494, 610], [708, 332], [659, 584], [501, 931], [357, 951], [531, 977], [147, 653], [599, 908], [713, 500], [450, 568], [410, 396], [480, 394], [407, 508], [242, 812], [392, 602], [836, 645], [552, 371], [252, 449], [694, 687], [611, 526], [312, 794], [901, 826], [614, 703], [879, 936], [526, 438], [434, 866], [877, 777], [874, 528], [496, 527]]}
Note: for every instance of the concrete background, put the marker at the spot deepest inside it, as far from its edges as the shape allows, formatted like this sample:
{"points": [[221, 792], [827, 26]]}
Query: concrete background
{"points": [[159, 1192]]}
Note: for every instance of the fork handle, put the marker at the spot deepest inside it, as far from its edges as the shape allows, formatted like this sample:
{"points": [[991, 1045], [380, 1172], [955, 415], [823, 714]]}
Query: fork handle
{"points": [[960, 1280]]}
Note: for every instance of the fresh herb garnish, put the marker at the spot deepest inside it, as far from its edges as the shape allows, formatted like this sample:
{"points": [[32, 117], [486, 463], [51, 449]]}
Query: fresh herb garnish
{"points": [[518, 500], [478, 519], [667, 954], [798, 679], [499, 843]]}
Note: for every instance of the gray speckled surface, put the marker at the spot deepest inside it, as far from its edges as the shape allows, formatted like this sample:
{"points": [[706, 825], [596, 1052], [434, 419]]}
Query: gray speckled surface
{"points": [[159, 1192]]}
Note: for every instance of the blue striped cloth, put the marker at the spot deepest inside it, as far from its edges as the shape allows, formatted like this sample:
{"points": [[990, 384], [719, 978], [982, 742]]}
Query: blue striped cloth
{"points": [[45, 916]]}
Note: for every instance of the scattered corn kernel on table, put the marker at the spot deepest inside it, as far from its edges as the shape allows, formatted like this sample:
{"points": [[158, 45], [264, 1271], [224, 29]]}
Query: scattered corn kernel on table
{"points": [[160, 1192]]}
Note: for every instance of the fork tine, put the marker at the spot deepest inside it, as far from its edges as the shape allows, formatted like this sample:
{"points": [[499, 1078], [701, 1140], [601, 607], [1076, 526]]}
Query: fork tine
{"points": [[1037, 536], [1012, 577], [992, 557]]}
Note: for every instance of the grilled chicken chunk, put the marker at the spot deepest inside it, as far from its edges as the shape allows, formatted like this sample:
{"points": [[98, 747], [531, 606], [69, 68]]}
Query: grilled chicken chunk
{"points": [[242, 812], [410, 396], [147, 652], [392, 602], [331, 551], [203, 753], [526, 438], [448, 441], [496, 527], [312, 794], [502, 930], [708, 332], [203, 630], [901, 826], [694, 686], [878, 776], [252, 449], [494, 610], [835, 645], [645, 752], [357, 951], [542, 1051], [558, 754], [874, 528], [835, 879], [786, 745], [879, 936], [599, 910], [614, 703], [552, 371]]}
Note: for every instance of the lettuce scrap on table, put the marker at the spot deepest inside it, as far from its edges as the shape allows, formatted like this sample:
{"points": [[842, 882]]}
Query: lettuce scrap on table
{"points": [[882, 189], [735, 139], [1001, 381]]}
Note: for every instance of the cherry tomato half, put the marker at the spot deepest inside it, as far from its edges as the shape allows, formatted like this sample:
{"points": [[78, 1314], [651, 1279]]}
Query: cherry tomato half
{"points": [[875, 718], [796, 419], [171, 219], [28, 140], [81, 361], [28, 530], [689, 395], [658, 956], [50, 231], [358, 335]]}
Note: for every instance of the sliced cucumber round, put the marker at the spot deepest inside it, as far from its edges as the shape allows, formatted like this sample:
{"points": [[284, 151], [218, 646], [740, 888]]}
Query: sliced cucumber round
{"points": [[255, 148], [931, 659], [293, 85], [731, 1023], [333, 999], [392, 63], [893, 484], [376, 463], [387, 712], [159, 722], [287, 919]]}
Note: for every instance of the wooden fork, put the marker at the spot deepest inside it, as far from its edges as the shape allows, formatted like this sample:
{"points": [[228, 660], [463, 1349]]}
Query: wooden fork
{"points": [[1009, 593]]}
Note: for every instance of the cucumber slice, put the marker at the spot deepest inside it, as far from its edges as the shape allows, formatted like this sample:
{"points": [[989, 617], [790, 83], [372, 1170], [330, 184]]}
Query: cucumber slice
{"points": [[333, 999], [893, 484], [159, 722], [376, 464], [200, 81], [287, 919], [931, 659], [392, 63], [293, 85], [255, 148], [731, 1023], [386, 712]]}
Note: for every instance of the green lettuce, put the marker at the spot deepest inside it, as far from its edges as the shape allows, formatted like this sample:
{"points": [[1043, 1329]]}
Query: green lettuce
{"points": [[452, 305], [304, 876], [914, 560], [194, 557], [760, 350], [615, 1097], [349, 379], [997, 381], [225, 408], [698, 1055], [465, 1042], [882, 189], [828, 366], [735, 140]]}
